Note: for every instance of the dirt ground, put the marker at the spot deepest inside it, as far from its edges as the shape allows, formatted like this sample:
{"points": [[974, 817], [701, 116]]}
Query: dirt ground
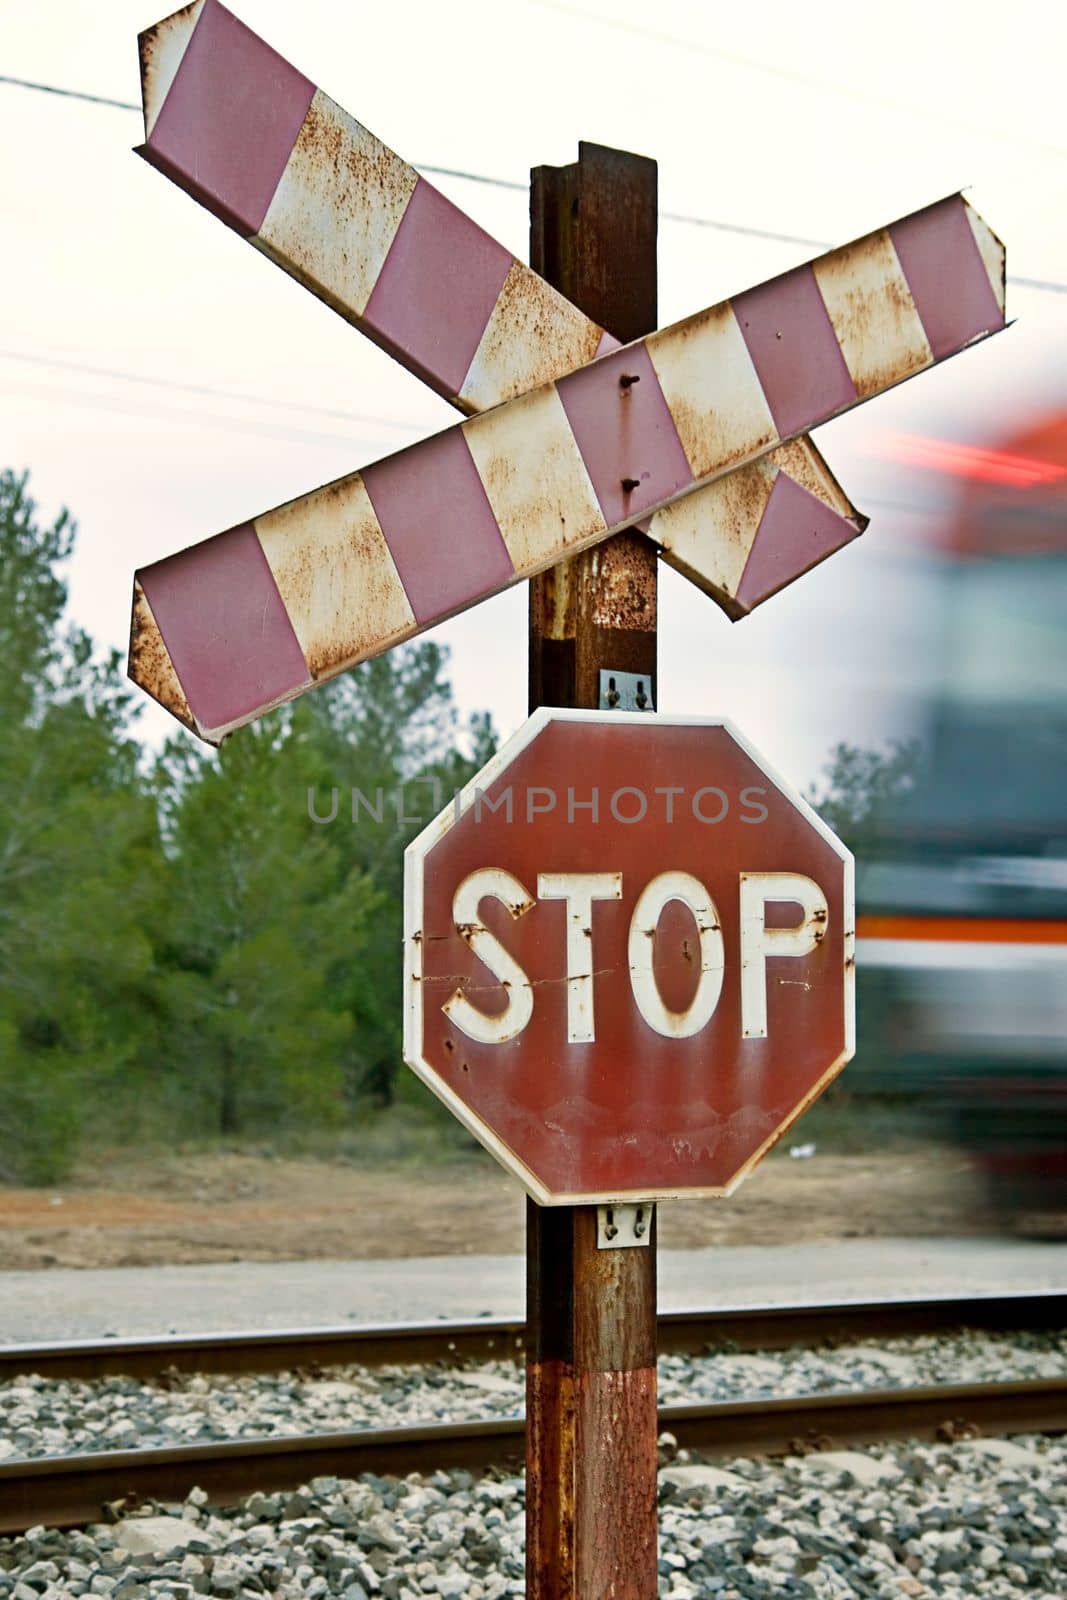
{"points": [[197, 1207]]}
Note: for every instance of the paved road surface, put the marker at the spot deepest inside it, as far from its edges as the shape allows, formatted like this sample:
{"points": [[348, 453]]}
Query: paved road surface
{"points": [[65, 1304]]}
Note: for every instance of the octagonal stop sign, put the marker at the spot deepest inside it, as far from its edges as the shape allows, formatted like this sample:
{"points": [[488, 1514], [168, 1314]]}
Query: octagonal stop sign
{"points": [[629, 956]]}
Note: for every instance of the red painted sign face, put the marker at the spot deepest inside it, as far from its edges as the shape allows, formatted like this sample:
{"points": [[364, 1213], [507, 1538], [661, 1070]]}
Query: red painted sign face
{"points": [[629, 957]]}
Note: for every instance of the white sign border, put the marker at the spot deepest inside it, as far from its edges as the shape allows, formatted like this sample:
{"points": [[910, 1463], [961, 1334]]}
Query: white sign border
{"points": [[414, 863]]}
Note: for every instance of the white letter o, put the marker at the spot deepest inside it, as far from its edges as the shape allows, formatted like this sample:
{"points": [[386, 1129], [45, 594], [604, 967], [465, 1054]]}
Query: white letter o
{"points": [[692, 893]]}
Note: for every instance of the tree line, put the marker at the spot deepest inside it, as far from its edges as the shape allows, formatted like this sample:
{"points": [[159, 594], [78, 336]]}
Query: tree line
{"points": [[198, 943], [184, 949]]}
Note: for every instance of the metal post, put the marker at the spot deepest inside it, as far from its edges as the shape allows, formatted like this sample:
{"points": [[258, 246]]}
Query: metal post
{"points": [[591, 1314]]}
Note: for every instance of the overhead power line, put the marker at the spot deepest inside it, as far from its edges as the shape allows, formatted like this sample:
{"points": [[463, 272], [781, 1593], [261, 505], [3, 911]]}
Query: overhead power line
{"points": [[845, 87], [68, 94], [122, 375], [131, 406], [743, 230], [130, 105], [253, 428]]}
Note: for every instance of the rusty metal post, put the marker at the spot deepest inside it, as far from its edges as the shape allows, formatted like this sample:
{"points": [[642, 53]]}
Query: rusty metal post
{"points": [[591, 1314]]}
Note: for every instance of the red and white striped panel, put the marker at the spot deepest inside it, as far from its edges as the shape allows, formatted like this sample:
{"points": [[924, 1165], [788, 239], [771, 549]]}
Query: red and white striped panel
{"points": [[257, 144], [254, 616]]}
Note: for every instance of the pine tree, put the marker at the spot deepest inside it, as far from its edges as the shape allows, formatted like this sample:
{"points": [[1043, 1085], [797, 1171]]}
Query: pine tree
{"points": [[77, 834], [385, 743]]}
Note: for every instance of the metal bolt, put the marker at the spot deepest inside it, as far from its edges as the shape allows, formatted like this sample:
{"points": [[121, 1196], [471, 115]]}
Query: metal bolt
{"points": [[639, 1222], [628, 380], [613, 698], [610, 1230], [641, 698], [630, 484]]}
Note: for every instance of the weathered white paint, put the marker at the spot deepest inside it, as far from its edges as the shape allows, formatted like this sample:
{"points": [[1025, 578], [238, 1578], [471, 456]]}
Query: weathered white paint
{"points": [[873, 314], [579, 890], [154, 666], [691, 892], [759, 943], [709, 536], [335, 574], [337, 208], [556, 497], [711, 387], [162, 49], [991, 251], [414, 882], [533, 334], [491, 883]]}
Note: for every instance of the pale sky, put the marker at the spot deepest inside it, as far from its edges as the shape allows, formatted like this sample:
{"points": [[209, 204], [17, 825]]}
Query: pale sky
{"points": [[822, 120]]}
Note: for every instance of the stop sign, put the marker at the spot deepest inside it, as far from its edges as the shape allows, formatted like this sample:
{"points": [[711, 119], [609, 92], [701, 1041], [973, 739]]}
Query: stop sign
{"points": [[629, 956]]}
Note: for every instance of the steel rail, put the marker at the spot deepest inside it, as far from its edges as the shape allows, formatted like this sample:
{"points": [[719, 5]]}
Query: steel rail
{"points": [[762, 1327], [65, 1491]]}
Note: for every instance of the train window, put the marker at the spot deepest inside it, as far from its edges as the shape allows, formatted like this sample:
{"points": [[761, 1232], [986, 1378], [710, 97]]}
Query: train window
{"points": [[1007, 633]]}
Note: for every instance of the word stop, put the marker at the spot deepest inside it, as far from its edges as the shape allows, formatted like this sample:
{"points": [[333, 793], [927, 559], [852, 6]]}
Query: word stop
{"points": [[580, 891]]}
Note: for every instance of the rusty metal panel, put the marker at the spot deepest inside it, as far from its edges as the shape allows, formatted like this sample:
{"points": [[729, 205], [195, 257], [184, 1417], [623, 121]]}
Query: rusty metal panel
{"points": [[512, 530], [742, 549], [711, 387], [227, 638], [150, 664], [560, 486], [867, 297], [325, 545], [533, 335], [607, 977], [358, 227], [337, 208]]}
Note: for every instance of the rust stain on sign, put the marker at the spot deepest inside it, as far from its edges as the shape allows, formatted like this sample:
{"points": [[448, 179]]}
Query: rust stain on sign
{"points": [[160, 50], [328, 547], [150, 663], [359, 228], [804, 463], [532, 336], [337, 209]]}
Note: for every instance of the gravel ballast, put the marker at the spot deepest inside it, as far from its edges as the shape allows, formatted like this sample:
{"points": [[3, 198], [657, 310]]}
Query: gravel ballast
{"points": [[43, 1417], [983, 1518]]}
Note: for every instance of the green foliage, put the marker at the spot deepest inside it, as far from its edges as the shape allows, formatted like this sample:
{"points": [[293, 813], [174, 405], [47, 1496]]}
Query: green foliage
{"points": [[382, 745], [864, 790], [208, 944], [257, 919], [77, 836], [184, 950]]}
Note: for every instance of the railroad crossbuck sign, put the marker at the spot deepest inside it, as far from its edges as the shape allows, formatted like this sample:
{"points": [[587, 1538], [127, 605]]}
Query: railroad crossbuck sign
{"points": [[696, 433], [629, 956]]}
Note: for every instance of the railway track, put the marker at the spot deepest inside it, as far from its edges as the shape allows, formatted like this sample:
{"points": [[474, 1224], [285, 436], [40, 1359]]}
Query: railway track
{"points": [[763, 1327], [69, 1490]]}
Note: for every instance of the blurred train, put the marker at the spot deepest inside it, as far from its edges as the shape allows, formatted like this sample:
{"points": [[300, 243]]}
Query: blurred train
{"points": [[963, 907]]}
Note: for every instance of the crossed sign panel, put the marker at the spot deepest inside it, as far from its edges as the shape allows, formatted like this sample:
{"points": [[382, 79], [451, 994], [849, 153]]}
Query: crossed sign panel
{"points": [[700, 425], [312, 189]]}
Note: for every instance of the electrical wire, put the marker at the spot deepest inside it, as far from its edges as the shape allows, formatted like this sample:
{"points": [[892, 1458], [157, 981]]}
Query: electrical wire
{"points": [[130, 105], [745, 231], [251, 428], [122, 375], [1045, 285], [120, 406], [843, 87], [68, 94]]}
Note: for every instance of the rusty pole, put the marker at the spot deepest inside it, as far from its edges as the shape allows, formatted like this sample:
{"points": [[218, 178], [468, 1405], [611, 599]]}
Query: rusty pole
{"points": [[591, 1314]]}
